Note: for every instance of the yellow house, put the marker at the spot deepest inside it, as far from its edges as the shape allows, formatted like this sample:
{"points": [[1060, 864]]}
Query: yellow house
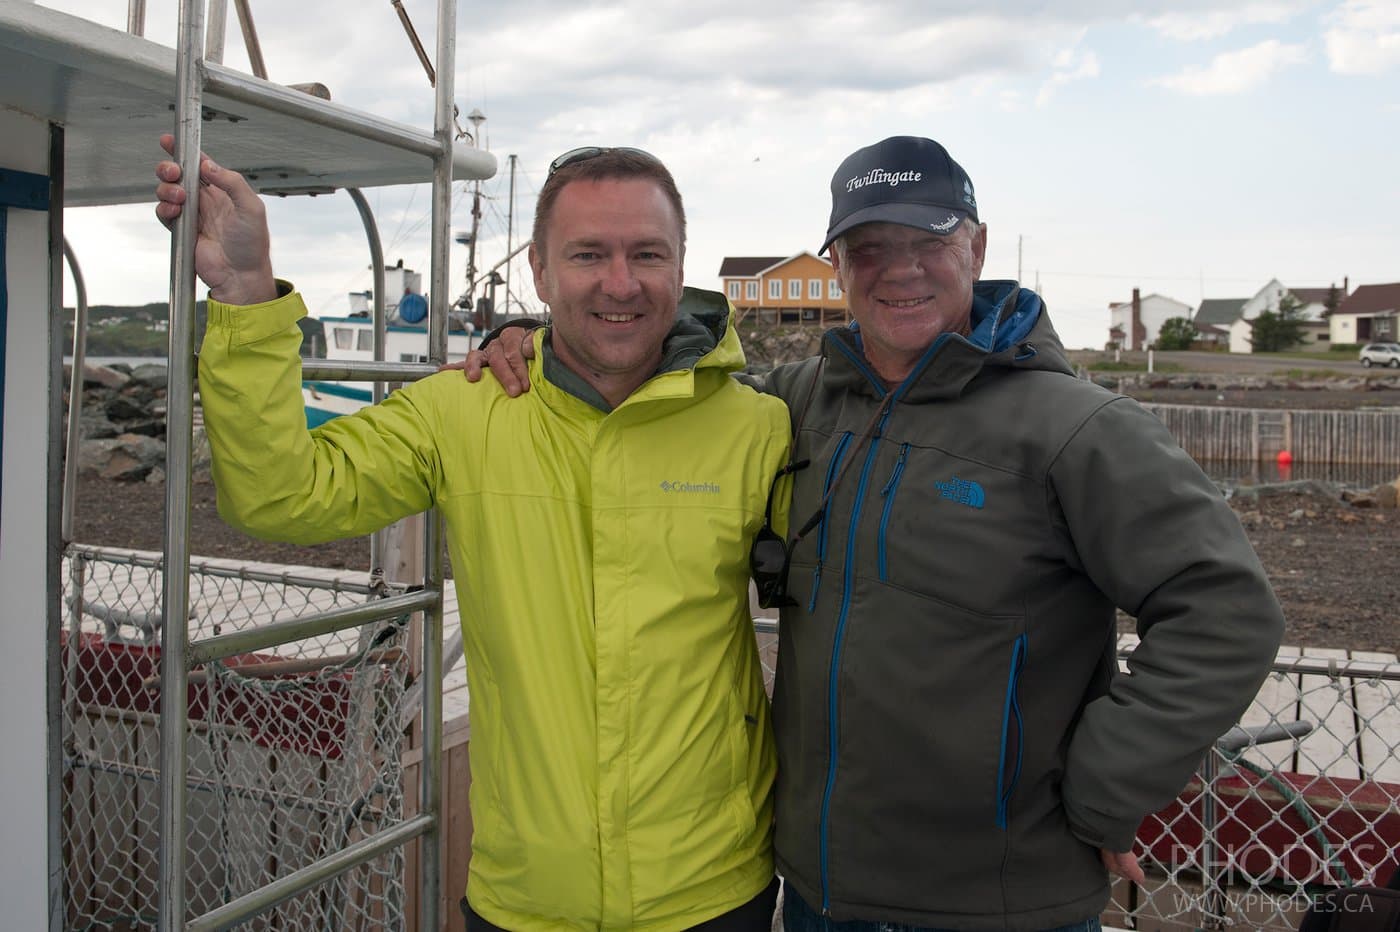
{"points": [[800, 289]]}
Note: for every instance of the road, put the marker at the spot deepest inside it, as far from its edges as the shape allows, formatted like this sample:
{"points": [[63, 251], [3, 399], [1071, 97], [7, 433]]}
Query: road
{"points": [[1244, 364]]}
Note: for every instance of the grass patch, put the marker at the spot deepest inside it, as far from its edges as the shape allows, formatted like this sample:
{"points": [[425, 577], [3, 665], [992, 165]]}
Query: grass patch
{"points": [[1110, 366], [1305, 374]]}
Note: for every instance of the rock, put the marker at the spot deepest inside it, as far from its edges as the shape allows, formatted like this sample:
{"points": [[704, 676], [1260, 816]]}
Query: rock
{"points": [[1296, 514], [124, 409], [1359, 499], [1296, 487], [128, 457], [152, 374], [1298, 542], [104, 377], [94, 426], [1387, 495], [146, 428]]}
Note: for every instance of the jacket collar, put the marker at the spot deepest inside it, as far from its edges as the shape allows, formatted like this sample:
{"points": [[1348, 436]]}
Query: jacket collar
{"points": [[701, 338], [1009, 329]]}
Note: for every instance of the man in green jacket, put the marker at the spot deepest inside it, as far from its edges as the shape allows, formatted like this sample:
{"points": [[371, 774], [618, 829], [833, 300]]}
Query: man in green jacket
{"points": [[621, 751], [956, 747]]}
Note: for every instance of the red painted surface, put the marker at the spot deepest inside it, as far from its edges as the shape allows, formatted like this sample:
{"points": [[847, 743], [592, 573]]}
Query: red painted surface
{"points": [[1262, 835], [309, 719]]}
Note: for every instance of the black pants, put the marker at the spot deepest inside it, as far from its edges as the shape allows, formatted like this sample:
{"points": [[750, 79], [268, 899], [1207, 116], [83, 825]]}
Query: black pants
{"points": [[754, 916]]}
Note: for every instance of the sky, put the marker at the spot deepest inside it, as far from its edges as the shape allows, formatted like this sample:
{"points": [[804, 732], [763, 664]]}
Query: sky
{"points": [[1190, 148]]}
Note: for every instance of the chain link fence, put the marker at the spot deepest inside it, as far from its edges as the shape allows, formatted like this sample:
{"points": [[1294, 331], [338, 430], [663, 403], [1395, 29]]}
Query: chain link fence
{"points": [[292, 754], [1299, 800], [296, 754]]}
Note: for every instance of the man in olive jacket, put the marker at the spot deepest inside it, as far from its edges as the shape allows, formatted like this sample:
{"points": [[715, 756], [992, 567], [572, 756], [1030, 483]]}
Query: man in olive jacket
{"points": [[957, 749]]}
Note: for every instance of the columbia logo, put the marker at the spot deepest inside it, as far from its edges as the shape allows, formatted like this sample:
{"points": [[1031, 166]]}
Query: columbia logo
{"points": [[693, 488], [962, 491]]}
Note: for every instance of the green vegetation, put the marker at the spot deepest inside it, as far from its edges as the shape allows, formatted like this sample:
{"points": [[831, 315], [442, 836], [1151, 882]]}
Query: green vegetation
{"points": [[1278, 330], [1310, 374], [1178, 333], [118, 330], [1109, 365]]}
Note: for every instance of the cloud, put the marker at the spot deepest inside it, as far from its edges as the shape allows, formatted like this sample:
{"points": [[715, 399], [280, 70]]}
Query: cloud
{"points": [[1236, 72], [1365, 37], [1197, 25], [1070, 65]]}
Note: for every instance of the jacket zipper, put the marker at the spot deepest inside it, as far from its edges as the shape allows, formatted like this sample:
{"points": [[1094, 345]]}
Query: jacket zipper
{"points": [[831, 471], [888, 493], [832, 736], [1012, 711]]}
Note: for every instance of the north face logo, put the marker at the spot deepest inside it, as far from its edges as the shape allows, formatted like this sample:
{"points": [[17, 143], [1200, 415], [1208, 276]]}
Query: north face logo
{"points": [[962, 491]]}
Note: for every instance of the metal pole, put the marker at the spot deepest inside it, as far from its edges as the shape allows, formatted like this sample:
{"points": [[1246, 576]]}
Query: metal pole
{"points": [[250, 38], [510, 227], [179, 429], [430, 790], [136, 17], [1214, 900], [75, 395], [214, 35], [53, 562], [376, 259]]}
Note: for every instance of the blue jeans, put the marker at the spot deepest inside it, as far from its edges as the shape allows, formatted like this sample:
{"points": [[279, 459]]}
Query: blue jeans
{"points": [[799, 917]]}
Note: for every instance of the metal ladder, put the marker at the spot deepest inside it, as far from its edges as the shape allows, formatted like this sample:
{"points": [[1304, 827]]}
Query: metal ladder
{"points": [[179, 653]]}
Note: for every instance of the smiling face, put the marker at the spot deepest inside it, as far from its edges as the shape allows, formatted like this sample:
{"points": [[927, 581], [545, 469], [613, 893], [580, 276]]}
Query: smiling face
{"points": [[905, 287], [610, 271]]}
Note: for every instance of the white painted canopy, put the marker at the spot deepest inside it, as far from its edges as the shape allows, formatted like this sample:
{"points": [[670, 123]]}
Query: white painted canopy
{"points": [[114, 94]]}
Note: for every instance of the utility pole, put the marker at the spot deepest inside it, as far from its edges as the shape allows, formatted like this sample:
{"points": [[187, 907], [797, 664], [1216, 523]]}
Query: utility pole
{"points": [[476, 118], [1019, 238], [510, 226]]}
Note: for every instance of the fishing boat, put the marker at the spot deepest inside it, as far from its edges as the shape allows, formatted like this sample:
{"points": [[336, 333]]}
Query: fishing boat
{"points": [[351, 338]]}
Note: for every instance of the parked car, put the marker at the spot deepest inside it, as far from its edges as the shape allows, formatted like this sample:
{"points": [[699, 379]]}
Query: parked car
{"points": [[1381, 354]]}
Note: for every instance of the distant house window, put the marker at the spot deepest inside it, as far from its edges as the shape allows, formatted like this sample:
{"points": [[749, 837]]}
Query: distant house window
{"points": [[833, 289], [344, 338], [775, 289], [366, 341], [795, 289], [751, 291], [733, 291], [814, 289]]}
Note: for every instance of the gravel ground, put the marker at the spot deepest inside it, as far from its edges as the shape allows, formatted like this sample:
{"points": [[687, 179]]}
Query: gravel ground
{"points": [[1331, 564]]}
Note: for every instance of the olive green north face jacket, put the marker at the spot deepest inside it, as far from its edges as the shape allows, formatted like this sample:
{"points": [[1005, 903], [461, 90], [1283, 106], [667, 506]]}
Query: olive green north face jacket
{"points": [[621, 755]]}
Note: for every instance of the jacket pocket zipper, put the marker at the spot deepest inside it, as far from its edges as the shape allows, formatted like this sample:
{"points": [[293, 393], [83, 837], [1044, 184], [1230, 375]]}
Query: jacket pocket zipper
{"points": [[831, 471], [1009, 759], [888, 493]]}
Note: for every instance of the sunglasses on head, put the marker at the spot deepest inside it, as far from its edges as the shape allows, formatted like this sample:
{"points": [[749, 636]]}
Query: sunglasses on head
{"points": [[584, 153]]}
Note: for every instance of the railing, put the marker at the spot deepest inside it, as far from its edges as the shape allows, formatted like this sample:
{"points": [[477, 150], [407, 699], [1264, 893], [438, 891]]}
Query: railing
{"points": [[1221, 433], [294, 796], [1302, 801], [296, 783]]}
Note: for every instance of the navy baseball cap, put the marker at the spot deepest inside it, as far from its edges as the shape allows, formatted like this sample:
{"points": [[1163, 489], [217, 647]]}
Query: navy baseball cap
{"points": [[907, 180]]}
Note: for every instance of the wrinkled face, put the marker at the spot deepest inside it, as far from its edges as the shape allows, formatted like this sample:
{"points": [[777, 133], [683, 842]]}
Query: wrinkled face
{"points": [[610, 271], [905, 287]]}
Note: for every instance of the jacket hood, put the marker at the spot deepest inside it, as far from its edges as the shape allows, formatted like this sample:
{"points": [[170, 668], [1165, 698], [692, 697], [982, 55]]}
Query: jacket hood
{"points": [[1010, 329], [702, 336]]}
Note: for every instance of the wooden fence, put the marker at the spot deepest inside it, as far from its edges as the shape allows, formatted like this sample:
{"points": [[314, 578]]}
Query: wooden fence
{"points": [[1254, 434]]}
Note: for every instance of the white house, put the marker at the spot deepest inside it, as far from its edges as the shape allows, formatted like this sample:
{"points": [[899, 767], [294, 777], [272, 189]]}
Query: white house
{"points": [[1135, 324], [1312, 303]]}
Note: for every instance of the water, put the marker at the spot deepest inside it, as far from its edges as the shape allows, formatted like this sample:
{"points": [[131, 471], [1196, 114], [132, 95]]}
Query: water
{"points": [[1232, 473], [132, 361]]}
